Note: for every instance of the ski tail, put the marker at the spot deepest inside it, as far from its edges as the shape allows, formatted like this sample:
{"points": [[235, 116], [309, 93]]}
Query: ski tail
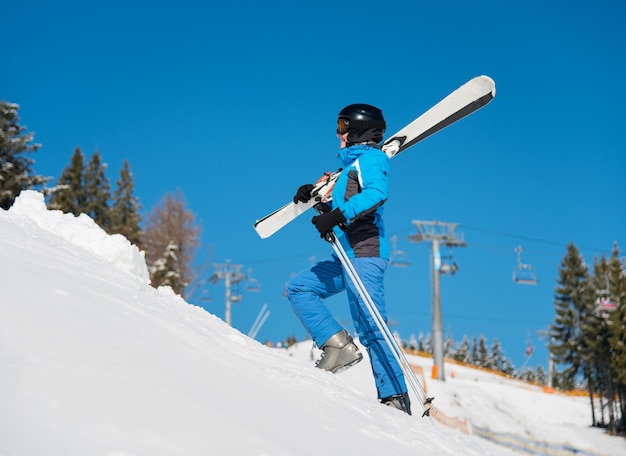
{"points": [[475, 106], [480, 90], [468, 98]]}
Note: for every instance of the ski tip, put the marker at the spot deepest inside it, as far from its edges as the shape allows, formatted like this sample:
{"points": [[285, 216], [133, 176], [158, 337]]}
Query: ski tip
{"points": [[263, 234]]}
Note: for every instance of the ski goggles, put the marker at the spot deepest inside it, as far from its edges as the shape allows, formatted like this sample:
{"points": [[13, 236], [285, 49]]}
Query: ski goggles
{"points": [[342, 126]]}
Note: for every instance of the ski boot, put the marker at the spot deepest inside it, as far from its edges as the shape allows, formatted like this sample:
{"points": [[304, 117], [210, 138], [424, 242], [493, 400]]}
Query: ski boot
{"points": [[399, 401], [339, 352]]}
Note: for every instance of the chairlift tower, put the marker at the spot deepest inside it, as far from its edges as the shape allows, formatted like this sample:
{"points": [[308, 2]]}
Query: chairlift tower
{"points": [[232, 275], [438, 233]]}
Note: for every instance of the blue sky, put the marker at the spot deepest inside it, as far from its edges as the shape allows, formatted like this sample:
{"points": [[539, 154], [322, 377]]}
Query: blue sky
{"points": [[236, 105]]}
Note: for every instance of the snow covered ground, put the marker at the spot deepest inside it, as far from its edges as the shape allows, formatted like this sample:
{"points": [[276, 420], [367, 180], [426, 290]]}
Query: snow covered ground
{"points": [[94, 361]]}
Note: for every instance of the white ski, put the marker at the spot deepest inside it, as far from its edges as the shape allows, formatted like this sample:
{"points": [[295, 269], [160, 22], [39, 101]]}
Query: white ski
{"points": [[470, 97]]}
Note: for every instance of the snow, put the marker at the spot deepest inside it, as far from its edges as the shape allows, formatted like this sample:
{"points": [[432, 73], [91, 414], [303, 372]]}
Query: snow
{"points": [[94, 361]]}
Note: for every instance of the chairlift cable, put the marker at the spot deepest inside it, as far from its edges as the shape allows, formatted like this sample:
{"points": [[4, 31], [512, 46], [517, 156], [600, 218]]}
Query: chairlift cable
{"points": [[527, 238]]}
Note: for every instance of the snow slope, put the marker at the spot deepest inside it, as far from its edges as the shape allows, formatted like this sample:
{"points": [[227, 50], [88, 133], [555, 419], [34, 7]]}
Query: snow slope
{"points": [[94, 361]]}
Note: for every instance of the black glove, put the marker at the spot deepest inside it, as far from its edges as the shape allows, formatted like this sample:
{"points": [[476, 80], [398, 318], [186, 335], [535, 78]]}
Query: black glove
{"points": [[322, 208], [303, 194], [326, 221]]}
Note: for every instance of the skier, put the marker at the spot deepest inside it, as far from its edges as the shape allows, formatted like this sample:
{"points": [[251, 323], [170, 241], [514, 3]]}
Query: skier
{"points": [[355, 216]]}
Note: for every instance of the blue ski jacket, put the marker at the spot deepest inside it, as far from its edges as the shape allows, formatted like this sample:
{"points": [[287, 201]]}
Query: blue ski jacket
{"points": [[360, 192]]}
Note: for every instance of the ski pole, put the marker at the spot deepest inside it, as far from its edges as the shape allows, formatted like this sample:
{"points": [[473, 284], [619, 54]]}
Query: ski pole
{"points": [[397, 352]]}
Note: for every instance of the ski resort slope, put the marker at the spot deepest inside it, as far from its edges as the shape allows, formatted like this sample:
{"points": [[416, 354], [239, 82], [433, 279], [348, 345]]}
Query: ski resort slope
{"points": [[94, 361]]}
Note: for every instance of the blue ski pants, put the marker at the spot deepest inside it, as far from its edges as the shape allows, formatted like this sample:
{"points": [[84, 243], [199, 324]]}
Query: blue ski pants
{"points": [[306, 293]]}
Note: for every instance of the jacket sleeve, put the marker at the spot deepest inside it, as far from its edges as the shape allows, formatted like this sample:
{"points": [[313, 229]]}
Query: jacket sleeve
{"points": [[367, 186]]}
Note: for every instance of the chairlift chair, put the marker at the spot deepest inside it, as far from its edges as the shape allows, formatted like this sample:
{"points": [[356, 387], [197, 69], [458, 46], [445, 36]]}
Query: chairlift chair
{"points": [[252, 284], [523, 274], [448, 265], [205, 296], [398, 258], [528, 353], [530, 348], [449, 268], [604, 303], [236, 295]]}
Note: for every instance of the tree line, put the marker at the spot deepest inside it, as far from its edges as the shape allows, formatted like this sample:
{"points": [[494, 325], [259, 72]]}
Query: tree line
{"points": [[588, 334], [171, 233], [479, 353]]}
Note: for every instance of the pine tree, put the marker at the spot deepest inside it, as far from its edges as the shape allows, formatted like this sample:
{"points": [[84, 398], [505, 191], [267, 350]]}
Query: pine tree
{"points": [[16, 169], [528, 375], [448, 347], [507, 366], [97, 192], [428, 344], [172, 223], [573, 304], [617, 319], [125, 215], [69, 195], [474, 359], [165, 270], [496, 358], [483, 353], [462, 352], [541, 376], [291, 340], [420, 343], [596, 336], [616, 322], [412, 345]]}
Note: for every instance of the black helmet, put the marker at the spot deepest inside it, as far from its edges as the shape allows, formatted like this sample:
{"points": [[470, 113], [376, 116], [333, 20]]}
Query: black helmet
{"points": [[363, 123]]}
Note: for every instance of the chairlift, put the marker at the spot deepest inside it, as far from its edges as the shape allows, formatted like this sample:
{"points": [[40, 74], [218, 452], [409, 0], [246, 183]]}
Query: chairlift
{"points": [[604, 304], [447, 264], [523, 274], [530, 349], [205, 296], [235, 293], [252, 284], [398, 258]]}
